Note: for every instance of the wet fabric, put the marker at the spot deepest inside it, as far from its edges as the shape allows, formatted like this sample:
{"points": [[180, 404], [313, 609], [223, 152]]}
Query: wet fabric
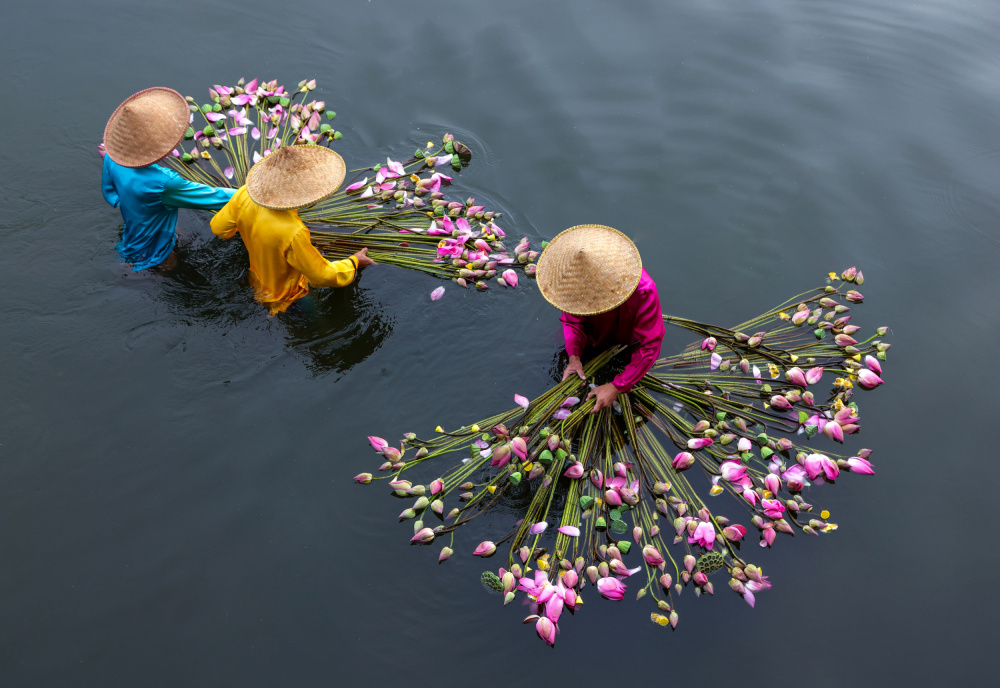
{"points": [[638, 320], [283, 262], [148, 198]]}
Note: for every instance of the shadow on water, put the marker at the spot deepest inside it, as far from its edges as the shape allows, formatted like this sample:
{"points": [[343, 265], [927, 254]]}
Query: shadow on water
{"points": [[330, 330]]}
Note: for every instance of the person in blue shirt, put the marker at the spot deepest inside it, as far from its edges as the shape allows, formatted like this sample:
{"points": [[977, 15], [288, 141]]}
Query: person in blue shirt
{"points": [[141, 132]]}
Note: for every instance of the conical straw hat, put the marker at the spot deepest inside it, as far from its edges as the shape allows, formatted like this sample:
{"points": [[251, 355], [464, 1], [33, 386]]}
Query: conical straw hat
{"points": [[146, 127], [589, 269], [295, 176]]}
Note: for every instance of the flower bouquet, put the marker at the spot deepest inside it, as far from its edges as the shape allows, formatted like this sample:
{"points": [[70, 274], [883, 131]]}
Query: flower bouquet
{"points": [[398, 210], [733, 414]]}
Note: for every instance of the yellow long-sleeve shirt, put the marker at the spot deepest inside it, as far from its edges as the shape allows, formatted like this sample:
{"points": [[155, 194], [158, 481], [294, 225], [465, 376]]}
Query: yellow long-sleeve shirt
{"points": [[283, 262]]}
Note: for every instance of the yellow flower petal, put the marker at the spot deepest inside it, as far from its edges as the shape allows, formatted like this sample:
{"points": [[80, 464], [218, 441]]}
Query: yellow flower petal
{"points": [[783, 315], [794, 358], [492, 489], [439, 429], [832, 275], [824, 514], [715, 491]]}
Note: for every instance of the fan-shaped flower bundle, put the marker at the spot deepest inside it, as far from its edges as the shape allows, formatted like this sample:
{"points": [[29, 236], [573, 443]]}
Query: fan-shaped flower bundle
{"points": [[398, 210], [632, 501]]}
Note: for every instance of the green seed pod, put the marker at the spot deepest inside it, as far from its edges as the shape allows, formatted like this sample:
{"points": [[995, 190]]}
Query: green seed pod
{"points": [[491, 582], [600, 523]]}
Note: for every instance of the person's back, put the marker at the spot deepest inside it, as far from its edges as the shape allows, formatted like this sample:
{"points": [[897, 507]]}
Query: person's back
{"points": [[283, 261]]}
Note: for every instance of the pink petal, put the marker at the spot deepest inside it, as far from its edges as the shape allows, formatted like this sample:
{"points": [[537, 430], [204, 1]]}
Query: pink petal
{"points": [[521, 401], [255, 133], [510, 277], [572, 531], [214, 116], [228, 172], [561, 414], [437, 293]]}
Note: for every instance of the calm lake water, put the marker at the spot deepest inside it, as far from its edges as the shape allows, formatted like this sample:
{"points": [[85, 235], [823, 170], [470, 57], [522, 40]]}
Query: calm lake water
{"points": [[176, 503]]}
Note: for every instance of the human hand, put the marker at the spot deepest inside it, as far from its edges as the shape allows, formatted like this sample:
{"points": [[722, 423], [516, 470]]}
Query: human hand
{"points": [[574, 366], [604, 396], [363, 259]]}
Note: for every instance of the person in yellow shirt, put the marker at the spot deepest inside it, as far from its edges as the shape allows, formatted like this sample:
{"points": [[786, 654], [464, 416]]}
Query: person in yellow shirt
{"points": [[283, 262]]}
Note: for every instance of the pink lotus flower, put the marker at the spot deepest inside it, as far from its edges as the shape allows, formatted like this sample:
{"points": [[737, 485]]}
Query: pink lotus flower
{"points": [[485, 549], [652, 556], [733, 471], [708, 344], [611, 588], [700, 442], [796, 377], [744, 444], [868, 379], [819, 464], [519, 447], [546, 630], [813, 375], [854, 296], [734, 532], [378, 444], [834, 432], [772, 483], [510, 277], [703, 535], [575, 471], [571, 531], [363, 478], [859, 465], [773, 508], [437, 293], [521, 401], [873, 365], [682, 461]]}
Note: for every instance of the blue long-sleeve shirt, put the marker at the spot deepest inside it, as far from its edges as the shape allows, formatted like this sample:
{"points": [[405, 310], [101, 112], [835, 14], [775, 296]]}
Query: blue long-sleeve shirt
{"points": [[148, 198]]}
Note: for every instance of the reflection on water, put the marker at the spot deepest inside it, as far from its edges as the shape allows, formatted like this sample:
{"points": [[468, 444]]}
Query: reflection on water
{"points": [[331, 330]]}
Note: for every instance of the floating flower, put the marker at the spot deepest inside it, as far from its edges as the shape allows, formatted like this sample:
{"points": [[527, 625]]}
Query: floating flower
{"points": [[486, 548], [611, 588], [868, 379]]}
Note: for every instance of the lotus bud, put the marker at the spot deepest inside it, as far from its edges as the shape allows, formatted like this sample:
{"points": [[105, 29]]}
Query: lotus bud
{"points": [[446, 552], [597, 478], [465, 497], [612, 498], [701, 426], [685, 577], [699, 578], [603, 570], [417, 491], [614, 552], [536, 471], [486, 548], [690, 562], [363, 478], [421, 504], [407, 513], [868, 379], [508, 581], [437, 506], [592, 574], [683, 461], [386, 466], [661, 488], [519, 447], [574, 472], [854, 296], [424, 536]]}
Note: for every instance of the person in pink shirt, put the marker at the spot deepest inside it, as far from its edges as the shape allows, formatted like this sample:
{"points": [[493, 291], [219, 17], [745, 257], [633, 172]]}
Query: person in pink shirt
{"points": [[594, 275]]}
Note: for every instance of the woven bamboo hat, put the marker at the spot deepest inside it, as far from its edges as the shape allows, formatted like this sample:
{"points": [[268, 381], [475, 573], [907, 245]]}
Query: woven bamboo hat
{"points": [[589, 269], [146, 127], [295, 176]]}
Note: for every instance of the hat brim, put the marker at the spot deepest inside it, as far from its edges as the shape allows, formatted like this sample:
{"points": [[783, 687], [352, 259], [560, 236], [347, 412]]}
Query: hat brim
{"points": [[588, 270], [296, 176], [146, 127]]}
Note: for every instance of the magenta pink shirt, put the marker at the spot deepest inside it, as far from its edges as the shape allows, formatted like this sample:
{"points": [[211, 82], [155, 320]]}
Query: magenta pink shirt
{"points": [[639, 319]]}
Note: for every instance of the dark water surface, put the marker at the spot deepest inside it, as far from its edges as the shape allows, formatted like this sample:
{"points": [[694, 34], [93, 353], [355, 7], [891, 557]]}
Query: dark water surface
{"points": [[176, 504]]}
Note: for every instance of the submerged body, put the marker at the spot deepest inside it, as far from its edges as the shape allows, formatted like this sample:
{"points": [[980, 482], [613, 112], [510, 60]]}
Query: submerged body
{"points": [[283, 261], [639, 320], [148, 198]]}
